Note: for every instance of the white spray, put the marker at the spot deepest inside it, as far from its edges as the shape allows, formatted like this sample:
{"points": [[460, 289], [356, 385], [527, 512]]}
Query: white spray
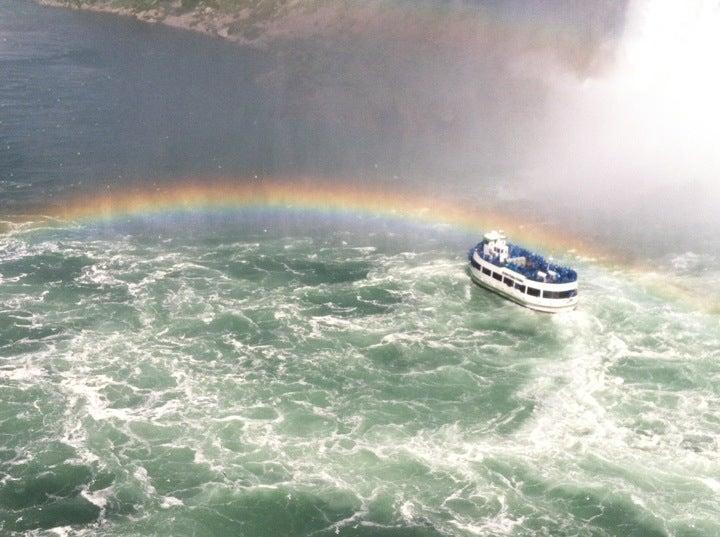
{"points": [[642, 138]]}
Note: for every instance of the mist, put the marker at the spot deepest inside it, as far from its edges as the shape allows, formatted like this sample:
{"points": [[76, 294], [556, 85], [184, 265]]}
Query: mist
{"points": [[433, 95], [446, 93], [634, 148], [598, 115]]}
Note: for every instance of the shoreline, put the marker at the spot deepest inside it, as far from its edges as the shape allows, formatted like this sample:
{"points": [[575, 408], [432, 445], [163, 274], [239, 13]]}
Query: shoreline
{"points": [[258, 24], [236, 27]]}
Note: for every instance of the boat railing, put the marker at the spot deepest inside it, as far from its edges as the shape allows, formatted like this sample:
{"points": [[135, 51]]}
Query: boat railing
{"points": [[530, 265]]}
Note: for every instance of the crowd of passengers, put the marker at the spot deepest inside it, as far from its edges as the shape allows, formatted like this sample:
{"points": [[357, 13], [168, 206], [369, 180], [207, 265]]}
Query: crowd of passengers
{"points": [[532, 291], [534, 263]]}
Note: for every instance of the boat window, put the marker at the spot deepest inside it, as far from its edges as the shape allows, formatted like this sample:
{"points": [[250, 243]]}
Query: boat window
{"points": [[568, 294], [486, 271], [533, 292], [508, 281], [551, 294], [497, 276], [519, 287]]}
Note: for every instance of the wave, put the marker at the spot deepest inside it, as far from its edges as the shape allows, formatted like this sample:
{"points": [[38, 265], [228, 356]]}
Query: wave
{"points": [[401, 399]]}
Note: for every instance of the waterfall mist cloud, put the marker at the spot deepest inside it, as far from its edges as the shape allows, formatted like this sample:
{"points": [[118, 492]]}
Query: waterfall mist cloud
{"points": [[601, 112], [637, 145], [441, 91]]}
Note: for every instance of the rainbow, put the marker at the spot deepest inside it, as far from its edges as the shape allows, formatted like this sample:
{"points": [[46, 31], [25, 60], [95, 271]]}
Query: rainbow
{"points": [[310, 197], [323, 198]]}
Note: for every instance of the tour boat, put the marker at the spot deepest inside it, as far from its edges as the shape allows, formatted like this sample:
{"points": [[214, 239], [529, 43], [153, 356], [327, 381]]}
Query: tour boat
{"points": [[521, 275]]}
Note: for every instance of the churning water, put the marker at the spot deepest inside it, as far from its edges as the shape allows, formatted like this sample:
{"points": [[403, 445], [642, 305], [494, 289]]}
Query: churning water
{"points": [[228, 377], [246, 384]]}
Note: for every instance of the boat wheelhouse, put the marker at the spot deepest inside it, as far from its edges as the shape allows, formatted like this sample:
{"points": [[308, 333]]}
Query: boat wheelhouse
{"points": [[521, 275]]}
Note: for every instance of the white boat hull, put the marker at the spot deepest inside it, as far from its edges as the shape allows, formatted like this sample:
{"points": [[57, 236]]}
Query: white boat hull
{"points": [[547, 305]]}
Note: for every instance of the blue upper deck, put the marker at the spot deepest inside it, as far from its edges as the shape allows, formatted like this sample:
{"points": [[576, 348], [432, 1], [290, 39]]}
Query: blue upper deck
{"points": [[534, 263]]}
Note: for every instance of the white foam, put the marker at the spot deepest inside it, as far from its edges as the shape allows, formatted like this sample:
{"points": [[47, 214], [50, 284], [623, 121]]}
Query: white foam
{"points": [[141, 475], [98, 275], [407, 511], [501, 524], [711, 483], [28, 372], [94, 403], [98, 498], [170, 501], [63, 531]]}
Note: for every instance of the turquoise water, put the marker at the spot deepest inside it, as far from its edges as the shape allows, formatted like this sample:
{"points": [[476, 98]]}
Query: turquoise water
{"points": [[255, 383], [258, 373]]}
